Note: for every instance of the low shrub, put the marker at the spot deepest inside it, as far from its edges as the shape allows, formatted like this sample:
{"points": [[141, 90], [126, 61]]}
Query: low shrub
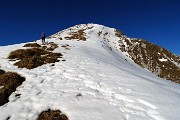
{"points": [[9, 81], [52, 115], [2, 72], [34, 57], [32, 45]]}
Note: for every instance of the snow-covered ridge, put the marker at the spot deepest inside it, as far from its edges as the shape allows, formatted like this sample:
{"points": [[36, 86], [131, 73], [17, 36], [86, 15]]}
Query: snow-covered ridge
{"points": [[108, 36], [140, 51], [97, 81]]}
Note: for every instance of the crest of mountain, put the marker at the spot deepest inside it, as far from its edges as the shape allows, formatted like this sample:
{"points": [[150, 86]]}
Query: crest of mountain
{"points": [[158, 60], [87, 72]]}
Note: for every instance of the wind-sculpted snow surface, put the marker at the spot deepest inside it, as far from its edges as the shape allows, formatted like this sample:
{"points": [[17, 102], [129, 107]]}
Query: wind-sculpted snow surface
{"points": [[143, 53], [94, 83]]}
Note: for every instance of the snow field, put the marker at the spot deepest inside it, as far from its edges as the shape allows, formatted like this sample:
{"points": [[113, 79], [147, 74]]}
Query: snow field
{"points": [[93, 83]]}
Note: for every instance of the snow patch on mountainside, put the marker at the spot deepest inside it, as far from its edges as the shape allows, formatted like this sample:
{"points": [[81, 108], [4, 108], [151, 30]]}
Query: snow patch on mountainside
{"points": [[163, 60]]}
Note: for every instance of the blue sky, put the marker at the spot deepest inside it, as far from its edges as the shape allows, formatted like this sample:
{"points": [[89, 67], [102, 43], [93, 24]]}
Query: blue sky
{"points": [[157, 21]]}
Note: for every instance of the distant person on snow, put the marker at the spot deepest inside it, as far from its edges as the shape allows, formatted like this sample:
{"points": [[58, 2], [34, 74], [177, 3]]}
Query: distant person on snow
{"points": [[43, 36]]}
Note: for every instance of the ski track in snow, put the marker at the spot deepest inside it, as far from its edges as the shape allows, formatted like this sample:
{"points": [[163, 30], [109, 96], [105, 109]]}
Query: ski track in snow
{"points": [[90, 84]]}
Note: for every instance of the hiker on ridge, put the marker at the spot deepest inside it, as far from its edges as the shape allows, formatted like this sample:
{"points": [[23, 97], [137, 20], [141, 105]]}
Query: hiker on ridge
{"points": [[43, 36]]}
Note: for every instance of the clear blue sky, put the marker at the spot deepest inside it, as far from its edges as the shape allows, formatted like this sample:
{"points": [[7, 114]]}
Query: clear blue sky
{"points": [[157, 21]]}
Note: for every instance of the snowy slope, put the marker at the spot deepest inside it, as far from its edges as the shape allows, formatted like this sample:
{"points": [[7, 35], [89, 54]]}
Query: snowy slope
{"points": [[96, 82]]}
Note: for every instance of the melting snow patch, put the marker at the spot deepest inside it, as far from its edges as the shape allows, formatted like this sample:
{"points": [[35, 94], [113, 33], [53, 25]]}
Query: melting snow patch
{"points": [[1, 87], [163, 60]]}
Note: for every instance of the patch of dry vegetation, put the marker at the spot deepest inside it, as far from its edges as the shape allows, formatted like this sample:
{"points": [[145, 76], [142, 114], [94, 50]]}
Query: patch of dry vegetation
{"points": [[147, 55], [80, 35], [99, 33], [52, 46], [118, 33], [2, 72], [32, 45], [45, 47], [34, 57], [9, 81], [52, 115], [66, 46]]}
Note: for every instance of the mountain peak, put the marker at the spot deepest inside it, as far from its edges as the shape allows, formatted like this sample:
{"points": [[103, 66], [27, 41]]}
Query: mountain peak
{"points": [[89, 72], [150, 56]]}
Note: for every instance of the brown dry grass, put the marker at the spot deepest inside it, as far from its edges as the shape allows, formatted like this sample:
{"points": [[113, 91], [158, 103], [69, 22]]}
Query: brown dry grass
{"points": [[26, 53], [99, 33], [66, 46], [2, 72], [150, 57], [118, 33], [52, 57], [32, 58], [80, 35], [53, 46], [44, 47], [52, 115], [32, 45], [10, 81], [36, 56]]}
